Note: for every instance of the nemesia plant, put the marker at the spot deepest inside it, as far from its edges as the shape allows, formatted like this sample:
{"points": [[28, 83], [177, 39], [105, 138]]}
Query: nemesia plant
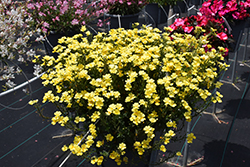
{"points": [[62, 15], [229, 9], [121, 7], [125, 85], [218, 34], [15, 34]]}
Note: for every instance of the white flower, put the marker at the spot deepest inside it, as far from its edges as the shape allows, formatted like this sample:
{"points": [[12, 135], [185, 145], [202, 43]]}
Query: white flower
{"points": [[37, 69], [10, 84]]}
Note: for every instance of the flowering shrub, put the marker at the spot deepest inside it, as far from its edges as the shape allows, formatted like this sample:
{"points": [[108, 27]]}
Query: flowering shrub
{"points": [[201, 25], [62, 15], [126, 85], [121, 7], [229, 9], [14, 36]]}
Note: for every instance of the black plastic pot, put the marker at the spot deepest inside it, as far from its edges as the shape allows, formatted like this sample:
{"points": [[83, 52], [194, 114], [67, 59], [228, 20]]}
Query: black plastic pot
{"points": [[126, 21], [180, 7], [237, 29], [52, 40], [159, 14], [196, 2]]}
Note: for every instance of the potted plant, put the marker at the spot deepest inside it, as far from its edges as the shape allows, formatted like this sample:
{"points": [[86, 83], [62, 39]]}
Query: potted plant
{"points": [[219, 35], [231, 13], [159, 10], [15, 36], [57, 18], [126, 85], [121, 13]]}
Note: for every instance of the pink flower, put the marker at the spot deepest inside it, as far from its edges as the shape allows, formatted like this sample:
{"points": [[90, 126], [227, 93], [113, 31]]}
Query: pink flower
{"points": [[100, 23], [41, 14], [206, 4], [80, 12], [179, 22], [129, 3], [222, 36], [45, 30], [30, 6], [77, 4], [120, 1], [56, 18], [45, 24], [39, 5], [246, 4], [74, 22], [188, 29], [64, 7]]}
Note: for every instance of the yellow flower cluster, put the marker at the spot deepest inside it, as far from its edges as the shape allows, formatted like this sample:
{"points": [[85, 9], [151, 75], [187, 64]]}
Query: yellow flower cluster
{"points": [[97, 160], [137, 116], [79, 119], [59, 118], [131, 81], [32, 102], [171, 124], [190, 137], [153, 117], [114, 108], [117, 157]]}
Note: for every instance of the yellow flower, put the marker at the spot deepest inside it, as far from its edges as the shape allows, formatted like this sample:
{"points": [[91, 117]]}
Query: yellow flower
{"points": [[218, 84], [188, 116], [170, 133], [113, 155], [130, 97], [87, 33], [64, 148], [84, 148], [122, 146], [163, 148], [99, 143], [99, 160], [95, 116], [168, 101], [118, 161], [125, 159], [32, 102], [178, 153], [167, 140], [77, 119], [83, 29], [148, 129], [109, 137], [93, 160], [171, 124], [140, 151], [137, 144], [190, 137]]}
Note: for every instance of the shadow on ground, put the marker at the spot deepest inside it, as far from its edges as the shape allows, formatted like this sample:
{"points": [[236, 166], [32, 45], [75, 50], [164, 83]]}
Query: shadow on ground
{"points": [[235, 154]]}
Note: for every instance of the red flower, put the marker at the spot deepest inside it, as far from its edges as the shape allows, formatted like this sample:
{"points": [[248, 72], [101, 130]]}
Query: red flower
{"points": [[226, 52], [222, 36]]}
